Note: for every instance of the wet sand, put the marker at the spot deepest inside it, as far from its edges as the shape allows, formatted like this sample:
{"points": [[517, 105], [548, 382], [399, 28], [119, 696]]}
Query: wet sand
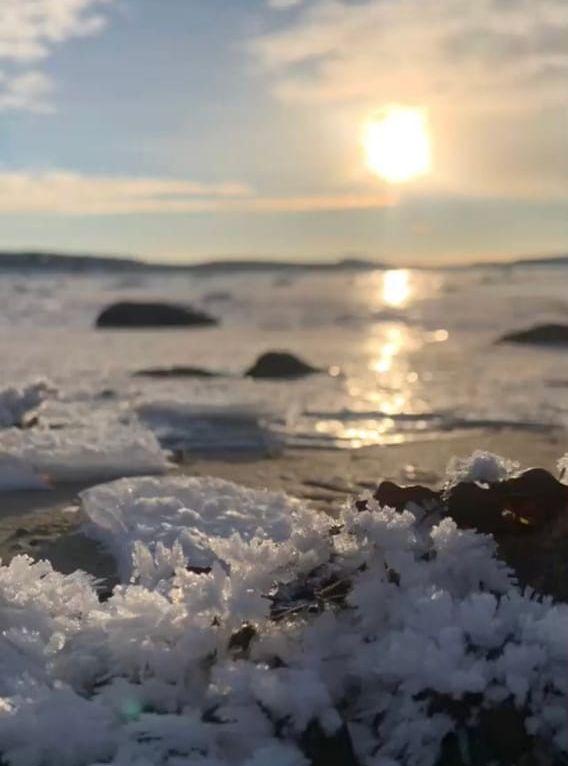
{"points": [[47, 524]]}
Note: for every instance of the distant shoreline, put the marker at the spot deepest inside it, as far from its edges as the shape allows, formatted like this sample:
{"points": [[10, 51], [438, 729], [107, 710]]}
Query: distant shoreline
{"points": [[49, 262]]}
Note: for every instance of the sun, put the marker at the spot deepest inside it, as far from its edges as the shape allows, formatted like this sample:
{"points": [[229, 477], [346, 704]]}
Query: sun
{"points": [[397, 144]]}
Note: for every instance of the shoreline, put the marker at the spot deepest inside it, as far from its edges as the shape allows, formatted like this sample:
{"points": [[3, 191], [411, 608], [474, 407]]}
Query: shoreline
{"points": [[46, 524]]}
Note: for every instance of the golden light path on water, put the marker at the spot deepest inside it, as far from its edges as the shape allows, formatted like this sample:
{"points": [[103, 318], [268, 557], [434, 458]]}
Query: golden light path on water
{"points": [[396, 288], [392, 386]]}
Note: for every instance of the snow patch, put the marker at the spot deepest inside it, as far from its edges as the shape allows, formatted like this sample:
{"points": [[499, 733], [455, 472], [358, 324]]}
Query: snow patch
{"points": [[103, 451]]}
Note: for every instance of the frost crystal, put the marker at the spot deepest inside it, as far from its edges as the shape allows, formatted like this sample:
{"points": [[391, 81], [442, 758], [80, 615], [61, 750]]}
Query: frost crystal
{"points": [[482, 467], [386, 636]]}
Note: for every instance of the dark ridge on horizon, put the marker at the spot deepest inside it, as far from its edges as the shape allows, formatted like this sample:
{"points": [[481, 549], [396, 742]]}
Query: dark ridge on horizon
{"points": [[47, 261], [85, 263], [544, 260]]}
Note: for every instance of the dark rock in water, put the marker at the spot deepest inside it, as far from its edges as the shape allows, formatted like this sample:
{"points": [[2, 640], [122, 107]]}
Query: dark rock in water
{"points": [[543, 334], [176, 372], [280, 365], [141, 314]]}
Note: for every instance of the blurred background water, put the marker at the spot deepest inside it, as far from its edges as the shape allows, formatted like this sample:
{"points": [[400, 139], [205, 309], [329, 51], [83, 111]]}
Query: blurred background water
{"points": [[406, 353]]}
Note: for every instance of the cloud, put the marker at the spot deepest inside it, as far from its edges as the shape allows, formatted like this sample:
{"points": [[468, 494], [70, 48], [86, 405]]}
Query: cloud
{"points": [[434, 50], [65, 193], [30, 30], [30, 91], [76, 194]]}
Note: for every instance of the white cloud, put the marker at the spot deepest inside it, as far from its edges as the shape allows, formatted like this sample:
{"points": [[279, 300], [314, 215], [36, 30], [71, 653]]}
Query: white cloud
{"points": [[67, 193], [30, 90], [30, 30], [433, 50]]}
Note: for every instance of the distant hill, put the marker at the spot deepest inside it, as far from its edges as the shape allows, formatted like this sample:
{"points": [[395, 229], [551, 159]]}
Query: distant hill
{"points": [[32, 261], [553, 260], [58, 262], [227, 267], [25, 261], [545, 260]]}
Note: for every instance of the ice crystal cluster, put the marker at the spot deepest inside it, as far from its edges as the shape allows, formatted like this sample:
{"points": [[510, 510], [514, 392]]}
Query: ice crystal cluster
{"points": [[245, 620]]}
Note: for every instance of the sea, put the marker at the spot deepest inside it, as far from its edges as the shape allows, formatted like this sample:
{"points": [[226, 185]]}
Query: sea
{"points": [[405, 354]]}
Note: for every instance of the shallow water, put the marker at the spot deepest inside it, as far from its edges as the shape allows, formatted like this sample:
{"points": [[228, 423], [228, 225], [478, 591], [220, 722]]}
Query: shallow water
{"points": [[408, 352]]}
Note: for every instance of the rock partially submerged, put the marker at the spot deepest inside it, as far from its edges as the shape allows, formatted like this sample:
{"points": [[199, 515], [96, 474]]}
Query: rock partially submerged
{"points": [[148, 314], [280, 365], [177, 372], [542, 334]]}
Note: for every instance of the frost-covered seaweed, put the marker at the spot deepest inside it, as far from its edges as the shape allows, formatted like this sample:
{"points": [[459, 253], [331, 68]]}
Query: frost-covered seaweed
{"points": [[405, 640]]}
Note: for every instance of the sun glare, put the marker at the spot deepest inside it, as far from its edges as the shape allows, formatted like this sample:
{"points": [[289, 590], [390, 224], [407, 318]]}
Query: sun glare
{"points": [[396, 287], [397, 144]]}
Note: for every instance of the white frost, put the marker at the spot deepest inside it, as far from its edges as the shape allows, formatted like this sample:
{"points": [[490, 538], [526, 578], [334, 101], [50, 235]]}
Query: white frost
{"points": [[482, 467], [202, 515], [85, 454], [151, 675]]}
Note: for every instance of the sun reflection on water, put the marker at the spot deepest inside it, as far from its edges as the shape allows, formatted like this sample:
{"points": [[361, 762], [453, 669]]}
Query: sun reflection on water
{"points": [[396, 290], [387, 391], [388, 349]]}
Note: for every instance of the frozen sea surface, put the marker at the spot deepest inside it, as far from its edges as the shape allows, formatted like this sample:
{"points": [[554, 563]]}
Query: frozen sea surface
{"points": [[409, 352]]}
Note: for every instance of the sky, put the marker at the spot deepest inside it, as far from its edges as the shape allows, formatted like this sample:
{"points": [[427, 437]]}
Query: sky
{"points": [[184, 130]]}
